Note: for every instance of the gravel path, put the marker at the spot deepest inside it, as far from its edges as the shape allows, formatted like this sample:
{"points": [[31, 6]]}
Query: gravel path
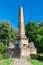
{"points": [[21, 62]]}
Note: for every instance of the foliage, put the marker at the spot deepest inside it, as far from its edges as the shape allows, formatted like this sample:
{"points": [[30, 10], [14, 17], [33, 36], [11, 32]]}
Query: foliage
{"points": [[34, 56], [7, 34], [39, 43], [40, 57], [2, 47], [41, 54], [37, 56], [1, 56], [6, 55], [41, 24], [12, 34], [34, 32]]}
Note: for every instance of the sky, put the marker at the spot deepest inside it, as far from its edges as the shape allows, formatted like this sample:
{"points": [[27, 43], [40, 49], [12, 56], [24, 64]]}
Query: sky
{"points": [[33, 11]]}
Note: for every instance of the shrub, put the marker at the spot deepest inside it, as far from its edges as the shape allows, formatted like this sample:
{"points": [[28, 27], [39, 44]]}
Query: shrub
{"points": [[34, 56], [37, 56], [40, 57], [41, 54], [1, 57], [6, 55]]}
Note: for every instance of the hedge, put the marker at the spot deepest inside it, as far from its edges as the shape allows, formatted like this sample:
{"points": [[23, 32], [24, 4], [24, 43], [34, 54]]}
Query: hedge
{"points": [[34, 56], [1, 56], [37, 56], [40, 57], [6, 55]]}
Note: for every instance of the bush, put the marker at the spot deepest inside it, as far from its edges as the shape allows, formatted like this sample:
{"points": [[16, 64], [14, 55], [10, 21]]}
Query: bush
{"points": [[40, 57], [37, 56], [34, 56], [41, 54], [1, 57], [6, 55]]}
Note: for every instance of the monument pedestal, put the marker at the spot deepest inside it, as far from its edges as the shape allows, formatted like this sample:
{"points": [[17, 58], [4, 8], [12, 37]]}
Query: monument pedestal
{"points": [[22, 44]]}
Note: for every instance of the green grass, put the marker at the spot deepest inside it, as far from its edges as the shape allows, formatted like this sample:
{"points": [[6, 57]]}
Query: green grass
{"points": [[35, 62], [6, 62]]}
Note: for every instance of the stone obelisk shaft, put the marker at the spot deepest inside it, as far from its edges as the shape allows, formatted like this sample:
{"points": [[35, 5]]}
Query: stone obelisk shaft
{"points": [[21, 30]]}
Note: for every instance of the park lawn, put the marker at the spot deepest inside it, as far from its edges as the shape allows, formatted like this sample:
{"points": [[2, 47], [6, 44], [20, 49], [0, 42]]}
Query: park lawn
{"points": [[6, 62], [35, 62]]}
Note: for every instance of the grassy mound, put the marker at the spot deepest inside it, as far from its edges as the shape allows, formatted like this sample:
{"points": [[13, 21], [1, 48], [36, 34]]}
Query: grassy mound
{"points": [[6, 62], [35, 62]]}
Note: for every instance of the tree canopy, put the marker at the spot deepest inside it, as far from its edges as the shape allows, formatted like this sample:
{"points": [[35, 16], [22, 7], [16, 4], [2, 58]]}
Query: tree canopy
{"points": [[34, 32], [7, 33]]}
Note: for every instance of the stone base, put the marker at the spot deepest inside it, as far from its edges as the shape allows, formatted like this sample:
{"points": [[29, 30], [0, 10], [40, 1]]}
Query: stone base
{"points": [[25, 48], [25, 52], [22, 49]]}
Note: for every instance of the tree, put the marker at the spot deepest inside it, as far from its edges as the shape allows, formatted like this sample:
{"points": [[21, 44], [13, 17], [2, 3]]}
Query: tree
{"points": [[41, 24], [34, 32], [13, 33], [5, 32], [2, 47], [39, 43]]}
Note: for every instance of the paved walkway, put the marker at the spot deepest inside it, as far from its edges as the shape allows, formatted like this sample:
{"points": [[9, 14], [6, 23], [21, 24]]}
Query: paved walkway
{"points": [[21, 62]]}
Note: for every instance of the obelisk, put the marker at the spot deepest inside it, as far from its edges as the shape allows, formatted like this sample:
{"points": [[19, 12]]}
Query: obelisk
{"points": [[21, 30], [21, 42]]}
